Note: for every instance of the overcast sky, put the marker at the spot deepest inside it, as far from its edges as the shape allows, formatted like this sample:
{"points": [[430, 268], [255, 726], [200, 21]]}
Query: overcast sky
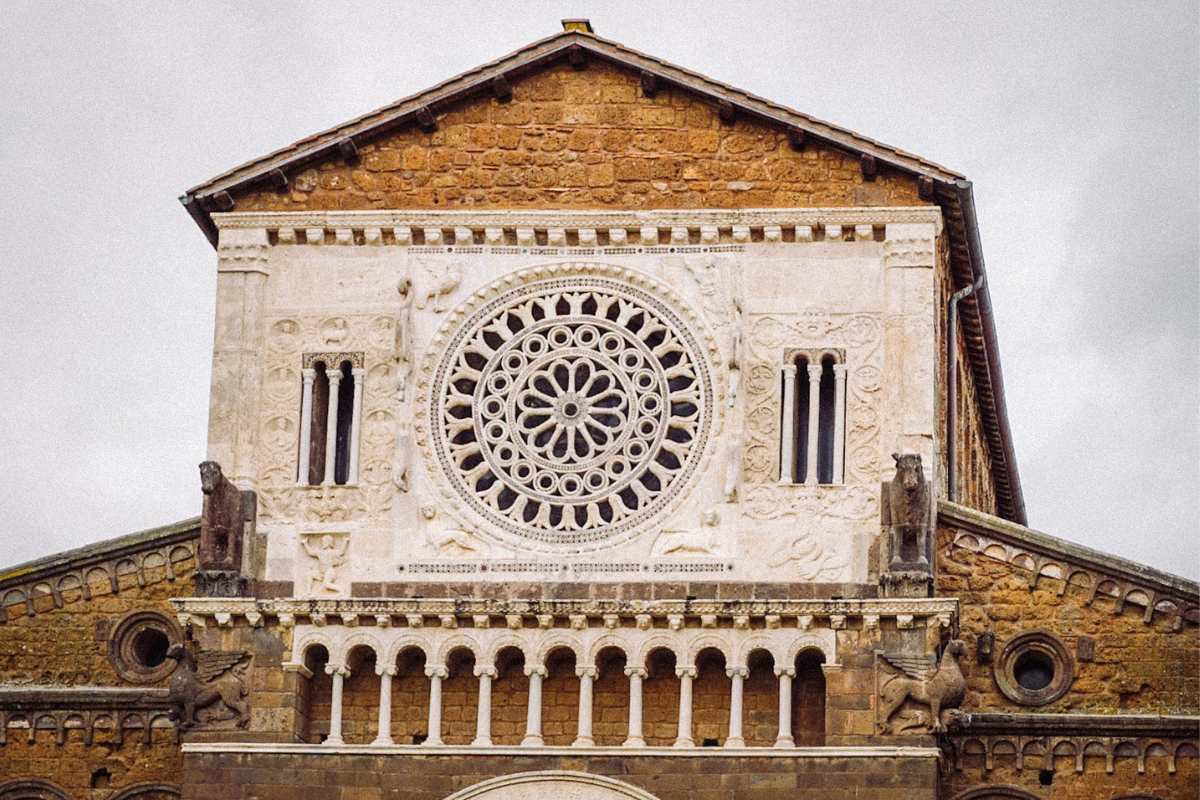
{"points": [[1078, 124]]}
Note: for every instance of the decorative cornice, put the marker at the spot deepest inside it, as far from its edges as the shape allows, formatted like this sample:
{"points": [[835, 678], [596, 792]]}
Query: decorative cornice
{"points": [[561, 613], [427, 750], [1042, 724], [163, 547], [83, 708], [1041, 555], [681, 227]]}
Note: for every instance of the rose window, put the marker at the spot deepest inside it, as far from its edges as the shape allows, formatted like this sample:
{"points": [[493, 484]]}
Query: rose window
{"points": [[571, 409]]}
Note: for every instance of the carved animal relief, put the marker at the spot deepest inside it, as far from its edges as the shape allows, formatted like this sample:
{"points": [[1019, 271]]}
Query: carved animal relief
{"points": [[208, 688], [907, 679]]}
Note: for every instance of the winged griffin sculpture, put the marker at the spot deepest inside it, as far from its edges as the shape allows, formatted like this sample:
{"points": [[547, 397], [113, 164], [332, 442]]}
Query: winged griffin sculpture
{"points": [[915, 678], [207, 679]]}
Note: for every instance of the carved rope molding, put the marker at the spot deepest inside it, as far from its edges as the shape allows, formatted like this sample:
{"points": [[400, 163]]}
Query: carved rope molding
{"points": [[554, 229], [105, 563], [1041, 556]]}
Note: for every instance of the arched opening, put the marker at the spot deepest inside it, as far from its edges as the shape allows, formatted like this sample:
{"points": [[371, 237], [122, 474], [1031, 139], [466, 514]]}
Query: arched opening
{"points": [[610, 701], [800, 418], [760, 701], [410, 697], [560, 698], [345, 414], [319, 417], [710, 699], [360, 697], [660, 699], [825, 438], [510, 697], [316, 696], [808, 699], [460, 697]]}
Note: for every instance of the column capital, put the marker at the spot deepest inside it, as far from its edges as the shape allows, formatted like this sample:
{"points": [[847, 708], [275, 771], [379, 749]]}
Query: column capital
{"points": [[337, 669], [437, 671], [737, 672], [635, 672], [814, 372], [839, 371], [789, 371], [386, 670], [334, 375], [535, 669], [309, 374], [358, 372], [686, 671], [781, 671], [485, 672], [586, 672]]}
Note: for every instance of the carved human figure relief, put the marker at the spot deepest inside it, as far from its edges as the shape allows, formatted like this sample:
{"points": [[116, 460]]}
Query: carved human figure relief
{"points": [[402, 455], [705, 539], [447, 540], [329, 556], [402, 356], [438, 281], [733, 346], [731, 454]]}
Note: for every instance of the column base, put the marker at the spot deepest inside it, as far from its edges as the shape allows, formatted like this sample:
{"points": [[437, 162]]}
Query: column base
{"points": [[334, 741], [634, 741], [431, 742], [735, 742], [684, 743], [481, 743], [785, 741], [584, 741], [532, 740], [383, 742]]}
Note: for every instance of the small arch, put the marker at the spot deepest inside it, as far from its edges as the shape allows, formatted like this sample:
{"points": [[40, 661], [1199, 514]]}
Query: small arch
{"points": [[823, 642], [655, 643], [605, 642], [760, 699], [359, 641], [560, 695], [660, 695], [550, 783], [758, 644], [808, 697], [460, 691], [180, 553], [1138, 597], [710, 642], [458, 642], [711, 696], [31, 789], [406, 643], [148, 791], [505, 642], [610, 724], [410, 692], [510, 692], [996, 792], [557, 642], [309, 641], [71, 582]]}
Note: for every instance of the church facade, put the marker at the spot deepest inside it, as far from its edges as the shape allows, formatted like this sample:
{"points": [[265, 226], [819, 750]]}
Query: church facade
{"points": [[582, 425]]}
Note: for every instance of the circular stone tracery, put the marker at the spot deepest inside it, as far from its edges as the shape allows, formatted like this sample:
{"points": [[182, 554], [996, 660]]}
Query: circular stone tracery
{"points": [[571, 409]]}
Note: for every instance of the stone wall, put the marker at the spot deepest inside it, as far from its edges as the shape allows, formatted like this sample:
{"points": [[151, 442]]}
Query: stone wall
{"points": [[95, 772], [587, 139], [1057, 778], [1135, 668], [975, 487], [362, 777]]}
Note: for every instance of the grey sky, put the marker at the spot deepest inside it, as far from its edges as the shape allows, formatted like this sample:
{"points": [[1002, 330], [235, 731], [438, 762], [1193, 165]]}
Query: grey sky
{"points": [[1078, 124]]}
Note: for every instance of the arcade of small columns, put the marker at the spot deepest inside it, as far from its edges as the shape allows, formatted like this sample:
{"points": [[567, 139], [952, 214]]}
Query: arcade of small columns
{"points": [[782, 648]]}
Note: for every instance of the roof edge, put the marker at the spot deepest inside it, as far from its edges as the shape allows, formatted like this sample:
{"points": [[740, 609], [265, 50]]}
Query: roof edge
{"points": [[99, 551], [1023, 536]]}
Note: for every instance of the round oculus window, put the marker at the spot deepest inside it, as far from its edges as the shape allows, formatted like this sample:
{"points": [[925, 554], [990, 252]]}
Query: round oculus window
{"points": [[1034, 669], [139, 644], [570, 409]]}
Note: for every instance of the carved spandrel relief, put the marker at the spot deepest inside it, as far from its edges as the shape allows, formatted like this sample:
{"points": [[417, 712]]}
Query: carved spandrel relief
{"points": [[768, 335], [326, 555], [906, 682], [709, 537], [445, 538], [208, 688], [434, 281]]}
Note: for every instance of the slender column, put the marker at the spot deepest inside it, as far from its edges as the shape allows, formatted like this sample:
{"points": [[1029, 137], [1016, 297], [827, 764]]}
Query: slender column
{"points": [[737, 677], [787, 442], [339, 673], [483, 722], [435, 675], [784, 739], [533, 718], [684, 737], [355, 422], [310, 375], [839, 422], [385, 673], [335, 377], [636, 675], [587, 677], [814, 420]]}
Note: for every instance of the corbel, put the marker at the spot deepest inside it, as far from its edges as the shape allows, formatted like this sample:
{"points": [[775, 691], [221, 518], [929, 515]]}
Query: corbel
{"points": [[349, 619], [545, 621], [426, 119], [649, 83], [383, 620], [278, 180], [414, 620], [348, 150], [796, 138], [448, 621], [643, 622], [501, 89], [869, 168], [727, 111], [925, 187], [223, 201], [577, 57], [578, 622]]}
